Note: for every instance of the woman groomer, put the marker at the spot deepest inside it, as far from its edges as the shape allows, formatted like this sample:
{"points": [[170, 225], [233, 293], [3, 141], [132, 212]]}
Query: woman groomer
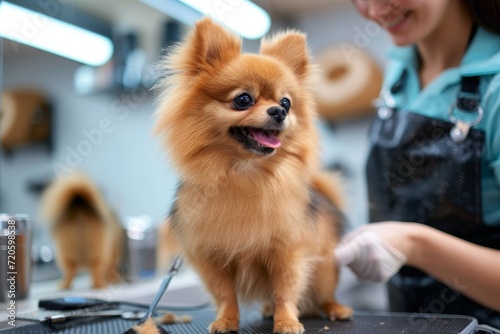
{"points": [[435, 161]]}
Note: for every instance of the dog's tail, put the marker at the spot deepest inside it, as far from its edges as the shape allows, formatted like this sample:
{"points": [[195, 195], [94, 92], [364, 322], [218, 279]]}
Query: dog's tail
{"points": [[72, 193], [329, 185]]}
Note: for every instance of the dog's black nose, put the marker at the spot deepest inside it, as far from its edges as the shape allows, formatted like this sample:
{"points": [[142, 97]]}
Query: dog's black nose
{"points": [[278, 113]]}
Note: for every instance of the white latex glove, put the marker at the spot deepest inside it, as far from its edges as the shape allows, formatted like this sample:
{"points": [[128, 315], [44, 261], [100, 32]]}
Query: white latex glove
{"points": [[369, 256]]}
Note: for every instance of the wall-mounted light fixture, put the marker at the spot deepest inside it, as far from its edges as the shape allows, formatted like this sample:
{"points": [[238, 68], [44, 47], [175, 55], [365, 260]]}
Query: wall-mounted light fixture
{"points": [[57, 29], [243, 16]]}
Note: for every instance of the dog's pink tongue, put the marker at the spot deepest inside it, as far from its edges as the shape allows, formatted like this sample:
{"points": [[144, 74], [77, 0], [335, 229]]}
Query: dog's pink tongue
{"points": [[265, 138]]}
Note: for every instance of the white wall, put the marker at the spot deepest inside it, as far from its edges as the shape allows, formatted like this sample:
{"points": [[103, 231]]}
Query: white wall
{"points": [[343, 24], [126, 162]]}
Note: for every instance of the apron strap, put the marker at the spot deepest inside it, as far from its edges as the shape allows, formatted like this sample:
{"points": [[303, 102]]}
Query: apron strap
{"points": [[398, 85], [468, 97], [468, 101]]}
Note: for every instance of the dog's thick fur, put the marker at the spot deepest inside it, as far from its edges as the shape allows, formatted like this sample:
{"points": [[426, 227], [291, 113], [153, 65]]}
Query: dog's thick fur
{"points": [[256, 227], [86, 231]]}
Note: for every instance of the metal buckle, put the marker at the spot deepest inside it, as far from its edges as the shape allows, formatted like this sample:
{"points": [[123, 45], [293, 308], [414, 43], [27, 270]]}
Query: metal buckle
{"points": [[461, 129], [385, 104], [467, 101]]}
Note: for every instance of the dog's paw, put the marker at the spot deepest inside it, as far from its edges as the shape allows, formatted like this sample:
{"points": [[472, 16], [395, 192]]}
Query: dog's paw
{"points": [[99, 285], [115, 277], [338, 312], [224, 325], [288, 327], [267, 309], [65, 285]]}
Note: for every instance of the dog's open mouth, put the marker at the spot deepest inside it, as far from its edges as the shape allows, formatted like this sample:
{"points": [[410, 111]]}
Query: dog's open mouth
{"points": [[260, 141]]}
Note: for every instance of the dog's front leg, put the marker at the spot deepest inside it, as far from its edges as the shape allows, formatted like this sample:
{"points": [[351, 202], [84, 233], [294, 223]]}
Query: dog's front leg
{"points": [[287, 285], [220, 283]]}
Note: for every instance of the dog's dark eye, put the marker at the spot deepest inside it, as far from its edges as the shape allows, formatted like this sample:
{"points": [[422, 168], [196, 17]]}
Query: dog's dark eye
{"points": [[285, 103], [242, 101]]}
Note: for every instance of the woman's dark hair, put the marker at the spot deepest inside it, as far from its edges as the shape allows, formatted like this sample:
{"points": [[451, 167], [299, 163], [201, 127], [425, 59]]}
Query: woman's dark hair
{"points": [[486, 13]]}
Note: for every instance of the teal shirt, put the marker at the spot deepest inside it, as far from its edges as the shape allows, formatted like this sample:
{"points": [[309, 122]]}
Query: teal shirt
{"points": [[482, 58]]}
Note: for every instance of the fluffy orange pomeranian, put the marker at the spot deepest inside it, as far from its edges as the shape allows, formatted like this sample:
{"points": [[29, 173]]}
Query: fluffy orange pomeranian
{"points": [[253, 214], [86, 231]]}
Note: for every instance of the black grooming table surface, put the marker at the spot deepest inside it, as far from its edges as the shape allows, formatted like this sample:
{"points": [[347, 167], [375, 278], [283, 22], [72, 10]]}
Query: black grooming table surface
{"points": [[252, 323]]}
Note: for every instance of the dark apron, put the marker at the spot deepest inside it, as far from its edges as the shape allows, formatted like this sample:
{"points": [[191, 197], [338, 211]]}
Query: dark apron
{"points": [[416, 172]]}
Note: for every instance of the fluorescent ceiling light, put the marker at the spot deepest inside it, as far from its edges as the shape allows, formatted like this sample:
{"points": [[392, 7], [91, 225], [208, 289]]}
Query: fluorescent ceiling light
{"points": [[243, 16], [52, 35]]}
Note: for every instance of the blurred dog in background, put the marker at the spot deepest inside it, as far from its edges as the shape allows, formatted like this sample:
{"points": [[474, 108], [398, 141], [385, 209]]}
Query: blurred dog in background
{"points": [[85, 229]]}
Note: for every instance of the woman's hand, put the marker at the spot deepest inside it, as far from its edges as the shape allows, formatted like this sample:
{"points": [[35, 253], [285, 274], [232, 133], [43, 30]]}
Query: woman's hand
{"points": [[376, 252]]}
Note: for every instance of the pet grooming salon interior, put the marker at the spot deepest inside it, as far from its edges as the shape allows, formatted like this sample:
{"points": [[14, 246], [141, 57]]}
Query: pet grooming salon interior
{"points": [[261, 166]]}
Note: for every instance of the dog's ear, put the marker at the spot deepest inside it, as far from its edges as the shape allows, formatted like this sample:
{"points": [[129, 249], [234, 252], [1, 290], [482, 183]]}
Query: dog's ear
{"points": [[208, 46], [290, 48]]}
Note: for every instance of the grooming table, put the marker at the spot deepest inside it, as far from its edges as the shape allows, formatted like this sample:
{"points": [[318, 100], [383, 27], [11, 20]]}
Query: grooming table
{"points": [[252, 323]]}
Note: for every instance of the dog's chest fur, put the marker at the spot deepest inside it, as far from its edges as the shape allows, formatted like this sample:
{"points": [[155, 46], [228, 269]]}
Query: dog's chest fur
{"points": [[237, 221]]}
